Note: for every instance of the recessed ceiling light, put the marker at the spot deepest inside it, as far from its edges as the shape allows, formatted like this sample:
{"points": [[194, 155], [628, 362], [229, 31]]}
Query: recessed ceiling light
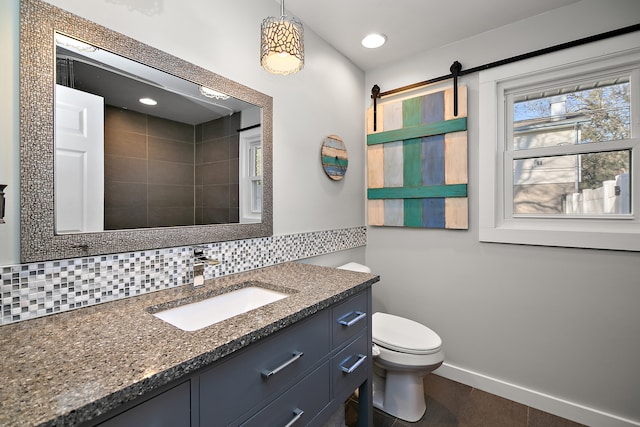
{"points": [[148, 101], [373, 41]]}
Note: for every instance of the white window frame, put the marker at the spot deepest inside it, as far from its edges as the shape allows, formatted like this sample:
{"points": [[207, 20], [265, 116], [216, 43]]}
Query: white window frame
{"points": [[249, 139], [497, 222]]}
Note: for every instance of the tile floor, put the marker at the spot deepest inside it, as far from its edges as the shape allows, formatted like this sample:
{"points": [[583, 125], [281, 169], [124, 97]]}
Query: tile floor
{"points": [[452, 404]]}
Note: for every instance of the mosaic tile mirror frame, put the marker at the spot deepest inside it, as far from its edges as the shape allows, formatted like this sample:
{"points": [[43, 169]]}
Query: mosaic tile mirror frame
{"points": [[39, 21]]}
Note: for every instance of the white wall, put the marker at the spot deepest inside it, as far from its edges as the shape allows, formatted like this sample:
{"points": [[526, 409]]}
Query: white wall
{"points": [[520, 321], [9, 153], [224, 36]]}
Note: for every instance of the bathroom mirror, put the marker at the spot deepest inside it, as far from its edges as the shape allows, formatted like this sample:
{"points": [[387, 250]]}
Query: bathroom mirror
{"points": [[145, 149], [150, 150]]}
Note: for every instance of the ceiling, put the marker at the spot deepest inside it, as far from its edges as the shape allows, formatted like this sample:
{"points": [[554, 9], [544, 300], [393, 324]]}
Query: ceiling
{"points": [[123, 82], [410, 25]]}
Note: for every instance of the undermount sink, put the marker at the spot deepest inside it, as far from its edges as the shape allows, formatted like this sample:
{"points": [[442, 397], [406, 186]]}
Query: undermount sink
{"points": [[197, 315]]}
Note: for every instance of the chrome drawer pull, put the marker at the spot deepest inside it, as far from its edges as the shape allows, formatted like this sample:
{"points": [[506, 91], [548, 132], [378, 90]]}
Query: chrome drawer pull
{"points": [[359, 317], [298, 414], [296, 355], [360, 361]]}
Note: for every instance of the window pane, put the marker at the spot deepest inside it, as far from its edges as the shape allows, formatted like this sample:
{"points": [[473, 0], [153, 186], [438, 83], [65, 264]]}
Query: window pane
{"points": [[256, 196], [582, 184], [575, 115], [257, 161]]}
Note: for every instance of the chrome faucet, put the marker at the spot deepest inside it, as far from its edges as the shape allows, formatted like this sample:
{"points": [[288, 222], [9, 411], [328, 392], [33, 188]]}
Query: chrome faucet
{"points": [[199, 262]]}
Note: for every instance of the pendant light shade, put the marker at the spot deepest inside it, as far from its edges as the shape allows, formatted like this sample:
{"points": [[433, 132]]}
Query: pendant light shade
{"points": [[282, 44]]}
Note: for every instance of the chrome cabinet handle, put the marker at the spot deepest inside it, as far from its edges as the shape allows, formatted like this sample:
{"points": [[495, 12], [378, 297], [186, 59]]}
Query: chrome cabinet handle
{"points": [[360, 361], [359, 317], [297, 415], [296, 355]]}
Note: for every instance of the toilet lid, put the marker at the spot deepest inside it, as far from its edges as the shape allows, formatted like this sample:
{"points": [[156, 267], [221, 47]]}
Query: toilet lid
{"points": [[404, 335]]}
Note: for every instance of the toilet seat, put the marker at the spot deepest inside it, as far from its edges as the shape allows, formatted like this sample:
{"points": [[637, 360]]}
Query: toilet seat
{"points": [[404, 335]]}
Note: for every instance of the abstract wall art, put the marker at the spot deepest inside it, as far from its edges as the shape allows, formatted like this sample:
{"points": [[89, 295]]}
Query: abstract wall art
{"points": [[417, 162]]}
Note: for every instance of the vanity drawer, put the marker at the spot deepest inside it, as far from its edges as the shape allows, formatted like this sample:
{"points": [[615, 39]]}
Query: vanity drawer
{"points": [[349, 318], [300, 403], [350, 368], [235, 386]]}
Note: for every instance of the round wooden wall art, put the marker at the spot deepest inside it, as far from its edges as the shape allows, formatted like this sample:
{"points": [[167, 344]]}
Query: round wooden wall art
{"points": [[334, 157]]}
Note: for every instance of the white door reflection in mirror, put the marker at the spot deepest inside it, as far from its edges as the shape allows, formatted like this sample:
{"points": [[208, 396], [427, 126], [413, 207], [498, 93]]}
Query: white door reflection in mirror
{"points": [[79, 161]]}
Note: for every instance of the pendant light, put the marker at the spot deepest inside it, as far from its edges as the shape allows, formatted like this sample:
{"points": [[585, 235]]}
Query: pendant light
{"points": [[282, 44]]}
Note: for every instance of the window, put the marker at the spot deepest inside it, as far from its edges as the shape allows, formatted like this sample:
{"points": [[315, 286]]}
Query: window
{"points": [[251, 175], [560, 146]]}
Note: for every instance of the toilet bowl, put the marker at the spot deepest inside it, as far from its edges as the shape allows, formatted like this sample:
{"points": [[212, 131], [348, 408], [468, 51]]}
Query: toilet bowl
{"points": [[404, 351], [408, 352]]}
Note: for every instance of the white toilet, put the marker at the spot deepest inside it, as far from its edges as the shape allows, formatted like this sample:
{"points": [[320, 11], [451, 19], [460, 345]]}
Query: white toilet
{"points": [[404, 352]]}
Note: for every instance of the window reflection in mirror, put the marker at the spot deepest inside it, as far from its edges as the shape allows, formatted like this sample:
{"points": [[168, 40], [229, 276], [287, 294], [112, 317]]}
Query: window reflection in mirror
{"points": [[136, 147]]}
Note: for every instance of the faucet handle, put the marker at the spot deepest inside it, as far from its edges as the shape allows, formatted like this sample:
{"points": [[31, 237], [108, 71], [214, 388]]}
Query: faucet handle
{"points": [[200, 258], [198, 252]]}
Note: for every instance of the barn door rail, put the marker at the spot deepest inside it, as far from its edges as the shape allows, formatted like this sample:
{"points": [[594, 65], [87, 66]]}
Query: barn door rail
{"points": [[457, 71]]}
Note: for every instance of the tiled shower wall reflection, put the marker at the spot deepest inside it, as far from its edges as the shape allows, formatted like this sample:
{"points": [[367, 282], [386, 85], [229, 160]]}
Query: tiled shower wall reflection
{"points": [[153, 165], [38, 289]]}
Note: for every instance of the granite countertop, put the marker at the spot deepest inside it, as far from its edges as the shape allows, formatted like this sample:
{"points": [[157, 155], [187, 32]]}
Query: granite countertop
{"points": [[70, 367]]}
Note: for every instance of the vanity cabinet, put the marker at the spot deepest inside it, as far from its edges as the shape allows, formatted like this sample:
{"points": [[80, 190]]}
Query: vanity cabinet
{"points": [[297, 376]]}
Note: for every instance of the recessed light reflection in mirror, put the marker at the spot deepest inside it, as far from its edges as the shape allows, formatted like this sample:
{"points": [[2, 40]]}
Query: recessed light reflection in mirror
{"points": [[148, 101]]}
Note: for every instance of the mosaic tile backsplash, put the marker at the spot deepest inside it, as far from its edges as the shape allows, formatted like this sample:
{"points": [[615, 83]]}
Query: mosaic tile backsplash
{"points": [[39, 289]]}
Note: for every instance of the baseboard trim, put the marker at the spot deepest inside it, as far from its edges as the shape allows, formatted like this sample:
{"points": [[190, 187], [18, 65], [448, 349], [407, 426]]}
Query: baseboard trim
{"points": [[544, 402]]}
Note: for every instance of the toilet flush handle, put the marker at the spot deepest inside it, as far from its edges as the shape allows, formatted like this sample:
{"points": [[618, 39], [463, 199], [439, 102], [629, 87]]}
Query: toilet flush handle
{"points": [[375, 350]]}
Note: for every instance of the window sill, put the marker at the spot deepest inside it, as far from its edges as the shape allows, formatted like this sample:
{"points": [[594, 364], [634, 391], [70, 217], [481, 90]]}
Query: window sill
{"points": [[582, 234]]}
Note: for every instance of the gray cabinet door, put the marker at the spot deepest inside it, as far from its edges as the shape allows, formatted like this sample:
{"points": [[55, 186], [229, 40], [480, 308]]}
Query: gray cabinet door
{"points": [[169, 409]]}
